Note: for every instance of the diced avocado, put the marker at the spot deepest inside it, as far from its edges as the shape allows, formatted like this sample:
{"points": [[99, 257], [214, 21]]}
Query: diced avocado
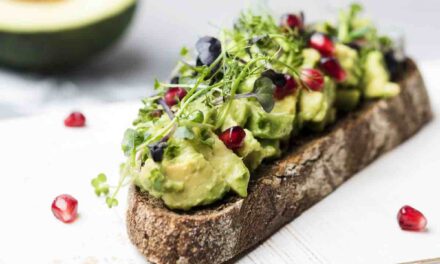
{"points": [[376, 79], [311, 103], [271, 148], [287, 105], [350, 62], [317, 107], [181, 179], [238, 114], [347, 99], [311, 58], [229, 166], [269, 125], [252, 152], [255, 151], [49, 35]]}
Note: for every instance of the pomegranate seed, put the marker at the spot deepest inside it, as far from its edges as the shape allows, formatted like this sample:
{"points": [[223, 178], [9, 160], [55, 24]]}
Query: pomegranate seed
{"points": [[322, 43], [292, 21], [411, 219], [65, 208], [75, 119], [312, 79], [174, 95], [332, 67], [289, 87], [233, 137]]}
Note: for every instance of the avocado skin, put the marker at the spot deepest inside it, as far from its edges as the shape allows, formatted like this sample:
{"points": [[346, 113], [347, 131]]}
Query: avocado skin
{"points": [[58, 51]]}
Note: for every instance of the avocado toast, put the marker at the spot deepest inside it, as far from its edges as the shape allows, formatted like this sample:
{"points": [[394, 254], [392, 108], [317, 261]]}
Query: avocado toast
{"points": [[268, 120]]}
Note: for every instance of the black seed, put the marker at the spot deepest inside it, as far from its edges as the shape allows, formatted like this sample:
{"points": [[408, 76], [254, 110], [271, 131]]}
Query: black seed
{"points": [[157, 150]]}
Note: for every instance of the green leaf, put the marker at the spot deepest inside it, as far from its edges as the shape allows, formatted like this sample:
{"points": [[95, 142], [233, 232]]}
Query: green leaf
{"points": [[263, 89], [131, 140], [184, 51], [359, 33], [100, 184], [111, 202], [355, 9], [184, 133], [156, 84]]}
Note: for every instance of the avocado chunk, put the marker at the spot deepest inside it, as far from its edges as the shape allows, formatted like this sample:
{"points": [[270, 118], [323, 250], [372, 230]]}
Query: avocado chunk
{"points": [[55, 35], [254, 151], [238, 114], [317, 107], [269, 125], [195, 174], [376, 79], [350, 62], [311, 58]]}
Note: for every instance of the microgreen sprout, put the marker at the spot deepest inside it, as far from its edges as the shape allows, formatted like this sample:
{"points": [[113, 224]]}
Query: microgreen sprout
{"points": [[100, 184]]}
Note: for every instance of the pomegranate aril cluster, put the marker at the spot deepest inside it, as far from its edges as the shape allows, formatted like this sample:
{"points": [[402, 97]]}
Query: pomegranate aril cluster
{"points": [[329, 64]]}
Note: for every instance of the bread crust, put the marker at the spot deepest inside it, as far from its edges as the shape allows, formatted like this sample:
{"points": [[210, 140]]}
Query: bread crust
{"points": [[282, 190]]}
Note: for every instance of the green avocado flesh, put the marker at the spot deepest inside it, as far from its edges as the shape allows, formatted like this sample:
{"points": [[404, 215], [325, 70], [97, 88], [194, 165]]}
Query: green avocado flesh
{"points": [[57, 35], [182, 149]]}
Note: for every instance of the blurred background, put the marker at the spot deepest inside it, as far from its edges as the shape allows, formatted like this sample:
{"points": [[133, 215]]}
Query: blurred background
{"points": [[151, 47]]}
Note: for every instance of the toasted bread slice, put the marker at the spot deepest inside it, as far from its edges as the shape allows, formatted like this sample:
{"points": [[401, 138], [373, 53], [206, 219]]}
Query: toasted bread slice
{"points": [[281, 190]]}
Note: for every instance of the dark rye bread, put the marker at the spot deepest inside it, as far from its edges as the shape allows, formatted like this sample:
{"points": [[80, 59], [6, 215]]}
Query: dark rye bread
{"points": [[282, 190]]}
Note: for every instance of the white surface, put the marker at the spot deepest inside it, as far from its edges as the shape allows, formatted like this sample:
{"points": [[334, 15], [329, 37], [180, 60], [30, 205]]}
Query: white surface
{"points": [[161, 28], [41, 159]]}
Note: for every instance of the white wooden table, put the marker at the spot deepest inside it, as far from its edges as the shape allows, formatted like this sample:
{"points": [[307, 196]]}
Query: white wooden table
{"points": [[40, 158]]}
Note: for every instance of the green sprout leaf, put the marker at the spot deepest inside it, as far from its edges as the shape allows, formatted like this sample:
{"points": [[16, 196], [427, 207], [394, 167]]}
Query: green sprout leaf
{"points": [[131, 140], [355, 9], [111, 202], [263, 89], [156, 84], [184, 51], [359, 33], [100, 184]]}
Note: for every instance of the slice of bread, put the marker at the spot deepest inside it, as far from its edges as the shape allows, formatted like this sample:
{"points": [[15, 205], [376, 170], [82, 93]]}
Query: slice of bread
{"points": [[281, 190]]}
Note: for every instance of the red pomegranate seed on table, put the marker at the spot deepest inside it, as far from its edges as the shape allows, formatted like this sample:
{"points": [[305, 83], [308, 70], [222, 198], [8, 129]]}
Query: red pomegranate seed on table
{"points": [[322, 43], [312, 79], [411, 219], [75, 119], [65, 208], [332, 67], [233, 137], [174, 95]]}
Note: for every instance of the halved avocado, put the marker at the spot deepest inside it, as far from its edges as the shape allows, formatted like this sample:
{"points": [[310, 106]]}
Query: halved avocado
{"points": [[53, 35]]}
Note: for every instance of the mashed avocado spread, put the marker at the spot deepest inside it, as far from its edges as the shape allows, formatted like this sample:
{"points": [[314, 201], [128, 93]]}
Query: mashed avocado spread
{"points": [[247, 93]]}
